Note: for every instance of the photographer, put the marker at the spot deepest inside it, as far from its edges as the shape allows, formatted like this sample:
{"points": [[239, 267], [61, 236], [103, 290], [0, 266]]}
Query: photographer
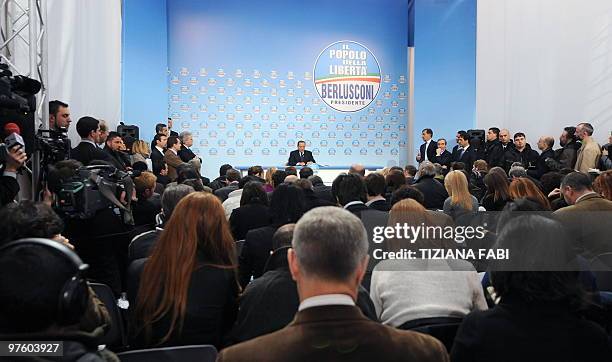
{"points": [[9, 188]]}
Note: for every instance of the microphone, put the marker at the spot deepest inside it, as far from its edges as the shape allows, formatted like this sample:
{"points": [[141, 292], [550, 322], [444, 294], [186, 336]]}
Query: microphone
{"points": [[13, 136], [11, 128]]}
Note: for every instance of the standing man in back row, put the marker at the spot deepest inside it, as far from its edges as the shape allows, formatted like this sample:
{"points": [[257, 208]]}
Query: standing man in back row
{"points": [[301, 156], [427, 151]]}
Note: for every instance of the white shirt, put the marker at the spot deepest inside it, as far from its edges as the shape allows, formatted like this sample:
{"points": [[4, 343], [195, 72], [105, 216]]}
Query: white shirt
{"points": [[232, 202], [160, 149], [377, 198], [87, 140], [352, 203], [426, 146], [326, 299]]}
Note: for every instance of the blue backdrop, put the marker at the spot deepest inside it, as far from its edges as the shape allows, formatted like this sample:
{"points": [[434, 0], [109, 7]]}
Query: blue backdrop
{"points": [[238, 74]]}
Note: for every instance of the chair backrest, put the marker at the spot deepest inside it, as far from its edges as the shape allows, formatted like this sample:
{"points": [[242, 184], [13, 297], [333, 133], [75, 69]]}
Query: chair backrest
{"points": [[200, 353], [444, 329], [239, 244], [116, 336], [601, 266]]}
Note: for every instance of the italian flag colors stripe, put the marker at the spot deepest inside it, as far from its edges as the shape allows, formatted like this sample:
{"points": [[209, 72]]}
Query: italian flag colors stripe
{"points": [[367, 78]]}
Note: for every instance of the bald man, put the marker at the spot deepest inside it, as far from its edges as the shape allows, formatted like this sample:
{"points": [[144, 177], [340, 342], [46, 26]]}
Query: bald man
{"points": [[504, 138], [545, 144]]}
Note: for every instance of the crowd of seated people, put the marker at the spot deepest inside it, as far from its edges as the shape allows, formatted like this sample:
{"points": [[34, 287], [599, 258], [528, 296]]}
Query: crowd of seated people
{"points": [[276, 265]]}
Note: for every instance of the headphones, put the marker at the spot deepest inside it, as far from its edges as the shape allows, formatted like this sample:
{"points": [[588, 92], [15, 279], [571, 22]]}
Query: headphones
{"points": [[74, 295]]}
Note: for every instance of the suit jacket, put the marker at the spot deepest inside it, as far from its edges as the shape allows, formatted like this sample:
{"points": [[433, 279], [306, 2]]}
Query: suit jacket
{"points": [[568, 154], [337, 333], [156, 155], [312, 201], [255, 252], [248, 217], [324, 192], [356, 209], [9, 188], [434, 192], [588, 156], [173, 134], [380, 205], [494, 154], [186, 154], [444, 159], [541, 167], [86, 152], [520, 331], [224, 192], [115, 159], [173, 161], [142, 244], [430, 152], [584, 221], [294, 157], [468, 157]]}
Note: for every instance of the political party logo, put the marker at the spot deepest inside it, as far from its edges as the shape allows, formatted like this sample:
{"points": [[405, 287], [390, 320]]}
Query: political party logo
{"points": [[248, 151], [394, 119], [371, 143], [323, 126], [282, 134], [290, 143], [378, 151], [274, 143], [348, 118], [331, 134], [265, 134], [282, 151], [195, 116], [323, 143], [221, 125], [339, 143], [348, 151], [231, 134], [175, 98], [265, 151], [239, 143], [402, 144], [204, 143], [394, 135], [231, 151], [282, 117], [299, 134], [315, 151], [339, 126], [248, 134], [256, 125], [212, 134], [307, 126], [387, 143], [379, 119], [355, 143], [257, 143], [363, 135], [193, 81], [394, 152], [212, 152], [402, 127], [379, 135], [348, 135], [230, 117], [371, 127], [355, 126], [315, 134], [347, 76], [273, 125], [386, 127], [204, 124], [221, 143], [307, 110], [239, 125], [331, 151], [299, 118]]}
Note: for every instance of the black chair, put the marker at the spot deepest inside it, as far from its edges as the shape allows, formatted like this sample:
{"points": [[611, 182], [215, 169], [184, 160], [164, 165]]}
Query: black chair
{"points": [[115, 337], [601, 266], [200, 353], [239, 244], [443, 328]]}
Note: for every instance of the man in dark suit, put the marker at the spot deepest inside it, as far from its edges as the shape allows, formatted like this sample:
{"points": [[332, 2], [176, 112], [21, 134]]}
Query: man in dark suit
{"points": [[185, 153], [521, 152], [160, 142], [328, 266], [160, 129], [505, 140], [494, 152], [375, 184], [232, 177], [310, 199], [465, 153], [349, 190], [427, 151], [321, 190], [87, 150], [301, 156], [443, 157], [433, 191], [112, 147], [545, 144]]}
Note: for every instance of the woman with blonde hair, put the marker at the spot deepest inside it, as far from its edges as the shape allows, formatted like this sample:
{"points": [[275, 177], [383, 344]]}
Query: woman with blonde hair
{"points": [[460, 201], [524, 188], [141, 153], [186, 291], [402, 291]]}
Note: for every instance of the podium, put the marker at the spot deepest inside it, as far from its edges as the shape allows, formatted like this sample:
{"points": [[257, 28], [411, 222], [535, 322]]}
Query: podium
{"points": [[327, 173]]}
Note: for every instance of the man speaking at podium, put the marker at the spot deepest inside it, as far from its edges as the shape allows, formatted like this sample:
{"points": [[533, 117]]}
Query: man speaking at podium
{"points": [[300, 157]]}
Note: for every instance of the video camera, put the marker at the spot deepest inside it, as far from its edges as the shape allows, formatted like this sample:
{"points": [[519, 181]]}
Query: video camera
{"points": [[91, 189]]}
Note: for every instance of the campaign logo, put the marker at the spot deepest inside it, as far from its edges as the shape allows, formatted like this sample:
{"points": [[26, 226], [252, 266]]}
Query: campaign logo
{"points": [[290, 75], [363, 119], [274, 74], [307, 109], [282, 134], [212, 81], [379, 103], [239, 108], [230, 134], [290, 109], [339, 126], [371, 127], [331, 134], [394, 119], [230, 82], [204, 124], [315, 151], [212, 134], [248, 151], [231, 152], [363, 151], [221, 91], [299, 118], [315, 134], [371, 143], [387, 111], [265, 117], [394, 152], [195, 116], [290, 125], [248, 134], [239, 91], [355, 143], [299, 134], [257, 91], [355, 126], [378, 135], [239, 142], [230, 117], [184, 89], [256, 125], [339, 143], [247, 82], [402, 144], [316, 118], [307, 126], [290, 92], [402, 79], [203, 90], [184, 72], [394, 87], [402, 111], [212, 152], [221, 143], [394, 104], [394, 135], [347, 76], [323, 143], [371, 111], [256, 143], [307, 93], [248, 117], [386, 143], [248, 100], [323, 110], [273, 92], [175, 80], [221, 108], [348, 135], [212, 99], [193, 99], [348, 151], [239, 125], [265, 134], [386, 127], [238, 73], [290, 143], [323, 126], [347, 119], [274, 108], [402, 95], [363, 135], [282, 100], [331, 151], [379, 151], [265, 151], [175, 98], [274, 143], [402, 127], [221, 125], [204, 143], [273, 125]]}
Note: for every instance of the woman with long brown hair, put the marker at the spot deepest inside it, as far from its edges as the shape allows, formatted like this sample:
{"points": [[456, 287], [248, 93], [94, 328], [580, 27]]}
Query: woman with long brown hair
{"points": [[603, 185], [524, 188], [497, 194], [187, 290]]}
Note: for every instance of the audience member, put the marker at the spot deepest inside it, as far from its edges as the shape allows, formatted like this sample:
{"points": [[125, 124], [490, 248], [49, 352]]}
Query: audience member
{"points": [[170, 132], [504, 138], [357, 169], [291, 170], [86, 151], [171, 157], [113, 148], [234, 198], [59, 116], [538, 312], [443, 157], [476, 179], [258, 172], [186, 291], [148, 204], [460, 201], [269, 184], [605, 163], [409, 172], [375, 185], [407, 192], [350, 192], [521, 152], [321, 190], [465, 153], [9, 187], [44, 296], [290, 179], [603, 185], [585, 217], [310, 198], [403, 290], [160, 170], [522, 187], [590, 152], [232, 177], [434, 192], [142, 153], [545, 145], [185, 153], [328, 267], [497, 194], [427, 151], [494, 151], [252, 212], [142, 245], [160, 141], [103, 135], [566, 156], [278, 178], [286, 207], [394, 180], [221, 181]]}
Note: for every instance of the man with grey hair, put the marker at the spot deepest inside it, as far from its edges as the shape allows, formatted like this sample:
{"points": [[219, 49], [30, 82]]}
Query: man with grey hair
{"points": [[357, 169], [586, 215], [545, 145], [434, 192], [142, 244], [590, 151], [328, 266], [185, 153]]}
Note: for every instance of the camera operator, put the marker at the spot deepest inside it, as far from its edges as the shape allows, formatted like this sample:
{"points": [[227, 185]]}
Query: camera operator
{"points": [[59, 116], [9, 188]]}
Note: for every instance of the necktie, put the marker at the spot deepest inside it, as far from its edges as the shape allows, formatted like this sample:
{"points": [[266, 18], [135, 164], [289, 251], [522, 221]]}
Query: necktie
{"points": [[462, 152], [302, 156]]}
